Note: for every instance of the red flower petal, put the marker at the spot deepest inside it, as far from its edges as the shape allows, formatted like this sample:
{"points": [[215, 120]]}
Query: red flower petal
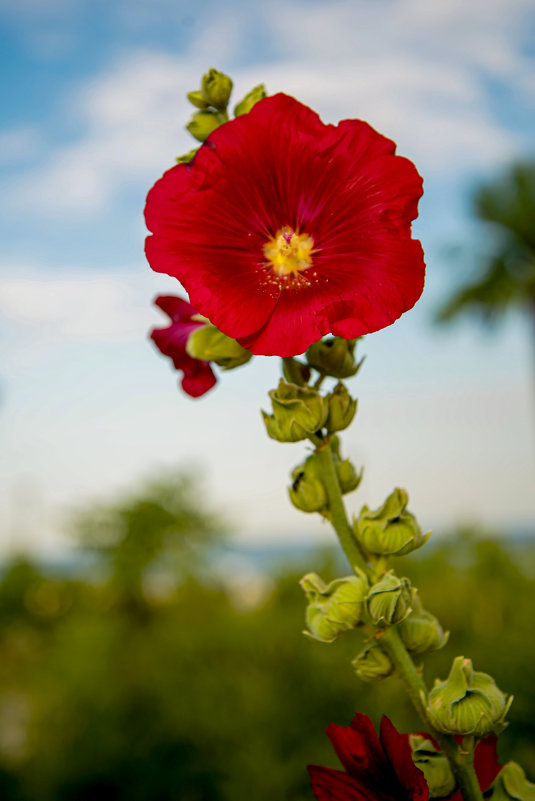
{"points": [[172, 341], [334, 785], [280, 166], [399, 753]]}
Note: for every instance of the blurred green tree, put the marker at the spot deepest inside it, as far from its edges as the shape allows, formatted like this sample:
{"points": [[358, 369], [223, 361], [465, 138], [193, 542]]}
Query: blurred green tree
{"points": [[507, 277]]}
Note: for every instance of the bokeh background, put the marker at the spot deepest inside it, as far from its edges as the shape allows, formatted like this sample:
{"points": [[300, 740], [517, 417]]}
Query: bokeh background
{"points": [[150, 621]]}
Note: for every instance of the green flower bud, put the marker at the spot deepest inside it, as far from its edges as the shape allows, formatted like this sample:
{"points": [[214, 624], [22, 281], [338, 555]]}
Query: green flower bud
{"points": [[389, 601], [216, 88], [295, 372], [334, 356], [211, 345], [197, 99], [373, 664], [307, 492], [250, 100], [390, 530], [202, 124], [434, 765], [467, 702], [511, 785], [348, 478], [333, 608], [421, 632], [187, 157], [342, 409], [297, 412]]}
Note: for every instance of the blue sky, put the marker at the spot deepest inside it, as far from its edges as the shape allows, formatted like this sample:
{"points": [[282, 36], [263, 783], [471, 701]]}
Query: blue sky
{"points": [[93, 112]]}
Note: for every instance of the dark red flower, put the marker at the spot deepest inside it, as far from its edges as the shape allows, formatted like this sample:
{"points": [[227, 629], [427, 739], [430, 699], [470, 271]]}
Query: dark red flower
{"points": [[198, 376], [283, 229], [376, 769]]}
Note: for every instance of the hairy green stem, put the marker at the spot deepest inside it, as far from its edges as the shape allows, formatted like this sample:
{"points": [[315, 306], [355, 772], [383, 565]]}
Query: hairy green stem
{"points": [[461, 764], [337, 510]]}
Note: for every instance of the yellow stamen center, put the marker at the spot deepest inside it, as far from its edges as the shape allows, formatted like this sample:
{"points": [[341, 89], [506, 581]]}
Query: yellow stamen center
{"points": [[289, 252]]}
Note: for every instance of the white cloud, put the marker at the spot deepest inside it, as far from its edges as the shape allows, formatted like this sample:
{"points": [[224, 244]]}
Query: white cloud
{"points": [[416, 70]]}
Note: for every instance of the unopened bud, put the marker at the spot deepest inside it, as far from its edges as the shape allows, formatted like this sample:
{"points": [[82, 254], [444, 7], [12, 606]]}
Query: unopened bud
{"points": [[348, 478], [202, 124], [216, 88], [197, 99], [511, 785], [389, 601], [334, 356], [390, 530], [342, 409], [211, 345], [467, 702], [295, 372], [421, 632], [298, 412], [250, 100], [373, 664], [333, 608], [307, 492], [434, 765]]}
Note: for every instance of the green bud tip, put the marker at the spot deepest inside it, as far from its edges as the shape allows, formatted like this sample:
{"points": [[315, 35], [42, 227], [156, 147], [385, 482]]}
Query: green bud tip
{"points": [[333, 608], [390, 530], [250, 100], [468, 702], [216, 88]]}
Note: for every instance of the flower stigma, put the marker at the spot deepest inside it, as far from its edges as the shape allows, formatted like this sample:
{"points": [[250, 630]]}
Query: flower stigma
{"points": [[289, 252]]}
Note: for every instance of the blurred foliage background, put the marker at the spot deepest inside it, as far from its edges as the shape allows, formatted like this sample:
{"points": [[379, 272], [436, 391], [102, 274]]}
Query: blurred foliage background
{"points": [[151, 671]]}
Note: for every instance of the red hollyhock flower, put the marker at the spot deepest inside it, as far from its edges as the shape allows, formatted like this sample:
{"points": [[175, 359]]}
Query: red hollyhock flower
{"points": [[198, 376], [283, 229], [376, 769]]}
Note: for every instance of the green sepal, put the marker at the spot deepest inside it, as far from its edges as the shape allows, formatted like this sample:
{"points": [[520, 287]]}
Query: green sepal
{"points": [[434, 765], [389, 600], [211, 345], [342, 409], [373, 664], [511, 785], [187, 157], [334, 357], [295, 372], [307, 491], [390, 530], [468, 702], [333, 608], [421, 633], [197, 99], [298, 412], [250, 100], [202, 124]]}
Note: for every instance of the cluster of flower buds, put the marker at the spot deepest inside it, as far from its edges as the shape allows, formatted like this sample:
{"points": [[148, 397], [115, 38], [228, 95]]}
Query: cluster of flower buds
{"points": [[390, 530], [333, 608], [212, 101], [467, 702]]}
